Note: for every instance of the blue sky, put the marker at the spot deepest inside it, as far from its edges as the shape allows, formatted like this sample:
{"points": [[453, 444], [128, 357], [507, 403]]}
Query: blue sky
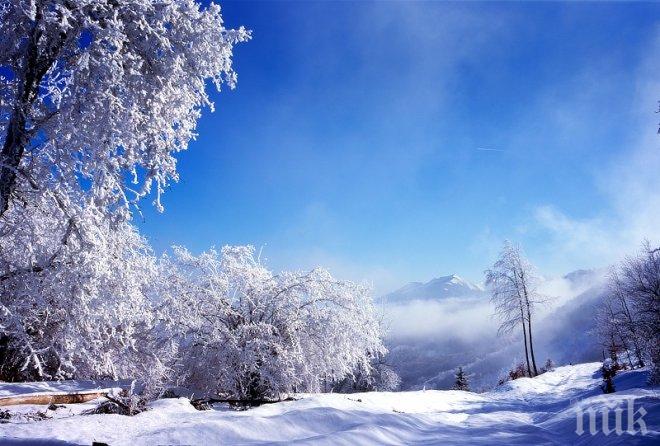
{"points": [[354, 137]]}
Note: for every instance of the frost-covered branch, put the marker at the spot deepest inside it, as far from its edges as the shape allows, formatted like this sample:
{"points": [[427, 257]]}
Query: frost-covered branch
{"points": [[100, 89]]}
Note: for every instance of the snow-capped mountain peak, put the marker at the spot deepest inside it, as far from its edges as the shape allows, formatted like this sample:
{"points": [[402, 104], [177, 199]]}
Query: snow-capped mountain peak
{"points": [[435, 289]]}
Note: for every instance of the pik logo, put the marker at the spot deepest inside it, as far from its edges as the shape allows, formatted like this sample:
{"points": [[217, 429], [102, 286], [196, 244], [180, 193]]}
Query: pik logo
{"points": [[611, 419]]}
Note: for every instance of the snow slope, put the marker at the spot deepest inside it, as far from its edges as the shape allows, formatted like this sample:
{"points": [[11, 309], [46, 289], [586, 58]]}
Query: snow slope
{"points": [[539, 411]]}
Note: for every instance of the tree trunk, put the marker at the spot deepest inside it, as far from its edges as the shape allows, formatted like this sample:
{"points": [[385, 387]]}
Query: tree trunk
{"points": [[529, 319], [529, 370], [12, 152], [16, 138], [531, 344], [35, 67]]}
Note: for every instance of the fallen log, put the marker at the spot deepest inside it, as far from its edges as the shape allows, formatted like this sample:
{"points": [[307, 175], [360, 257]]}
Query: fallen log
{"points": [[54, 398]]}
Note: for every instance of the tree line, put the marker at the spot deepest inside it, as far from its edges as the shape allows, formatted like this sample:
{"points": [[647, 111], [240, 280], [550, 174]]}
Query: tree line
{"points": [[628, 320]]}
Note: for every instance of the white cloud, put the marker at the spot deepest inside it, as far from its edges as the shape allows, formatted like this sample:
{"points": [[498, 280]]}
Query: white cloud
{"points": [[581, 240], [630, 184], [465, 319]]}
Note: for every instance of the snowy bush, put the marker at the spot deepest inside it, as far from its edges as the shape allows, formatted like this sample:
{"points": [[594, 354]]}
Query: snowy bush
{"points": [[519, 371], [250, 334], [549, 365], [384, 379], [125, 402], [380, 378]]}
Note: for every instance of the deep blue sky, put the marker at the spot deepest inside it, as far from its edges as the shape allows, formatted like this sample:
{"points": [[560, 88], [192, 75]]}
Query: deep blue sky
{"points": [[353, 138]]}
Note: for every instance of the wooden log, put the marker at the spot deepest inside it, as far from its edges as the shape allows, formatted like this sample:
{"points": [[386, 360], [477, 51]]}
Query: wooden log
{"points": [[53, 398]]}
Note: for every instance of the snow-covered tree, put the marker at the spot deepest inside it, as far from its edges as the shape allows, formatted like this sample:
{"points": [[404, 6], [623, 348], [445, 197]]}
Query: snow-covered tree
{"points": [[96, 96], [74, 300], [461, 380], [250, 334], [513, 286]]}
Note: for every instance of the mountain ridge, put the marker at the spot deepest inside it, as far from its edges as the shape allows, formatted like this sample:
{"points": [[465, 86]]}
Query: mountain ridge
{"points": [[435, 289]]}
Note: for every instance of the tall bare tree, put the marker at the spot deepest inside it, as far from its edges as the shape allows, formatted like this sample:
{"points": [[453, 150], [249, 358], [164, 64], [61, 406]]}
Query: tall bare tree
{"points": [[513, 286]]}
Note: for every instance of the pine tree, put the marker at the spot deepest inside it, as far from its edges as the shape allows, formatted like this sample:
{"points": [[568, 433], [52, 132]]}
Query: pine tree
{"points": [[461, 382]]}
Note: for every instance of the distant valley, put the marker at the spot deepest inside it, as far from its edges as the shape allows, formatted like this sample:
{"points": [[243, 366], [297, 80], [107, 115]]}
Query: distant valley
{"points": [[446, 322]]}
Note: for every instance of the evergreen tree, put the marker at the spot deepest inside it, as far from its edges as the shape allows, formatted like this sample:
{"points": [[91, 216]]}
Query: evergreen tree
{"points": [[461, 382]]}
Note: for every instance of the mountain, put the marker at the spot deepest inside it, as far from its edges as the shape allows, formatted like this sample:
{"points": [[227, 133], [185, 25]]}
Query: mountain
{"points": [[582, 278], [435, 289]]}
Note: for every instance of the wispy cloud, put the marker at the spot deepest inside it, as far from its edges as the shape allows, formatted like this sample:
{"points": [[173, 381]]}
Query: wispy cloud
{"points": [[630, 184], [487, 149], [467, 319]]}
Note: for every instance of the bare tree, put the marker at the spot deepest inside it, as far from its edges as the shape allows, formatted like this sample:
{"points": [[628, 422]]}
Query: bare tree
{"points": [[610, 329], [630, 315], [640, 282], [512, 283], [621, 313]]}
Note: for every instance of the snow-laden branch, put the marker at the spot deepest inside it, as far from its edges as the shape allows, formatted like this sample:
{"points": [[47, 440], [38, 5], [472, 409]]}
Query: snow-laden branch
{"points": [[100, 89]]}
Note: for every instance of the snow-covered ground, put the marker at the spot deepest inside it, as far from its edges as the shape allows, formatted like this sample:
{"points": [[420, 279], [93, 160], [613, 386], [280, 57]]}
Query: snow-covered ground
{"points": [[527, 411]]}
